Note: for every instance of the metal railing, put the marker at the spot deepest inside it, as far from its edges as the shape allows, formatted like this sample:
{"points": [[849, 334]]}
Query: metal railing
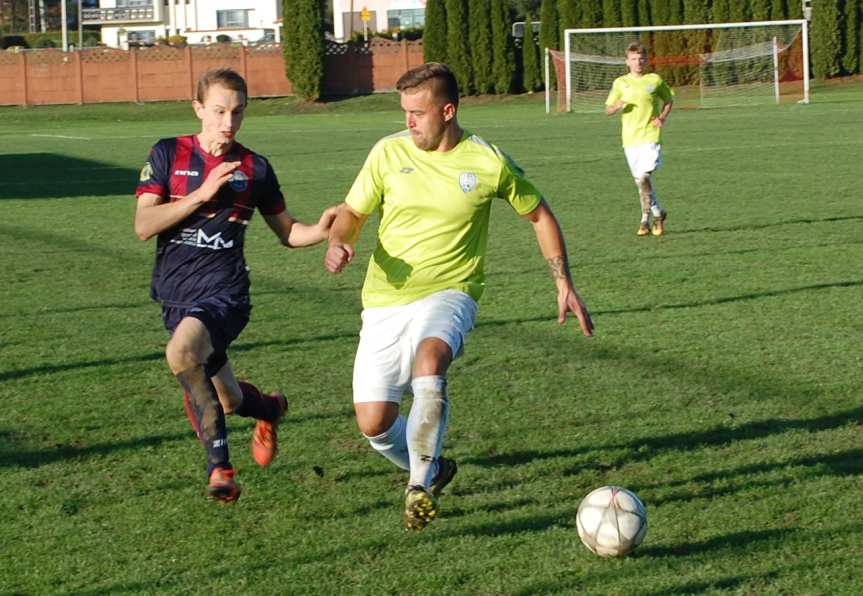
{"points": [[97, 16]]}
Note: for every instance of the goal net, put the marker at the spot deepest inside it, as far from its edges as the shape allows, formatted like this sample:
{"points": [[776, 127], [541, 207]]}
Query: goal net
{"points": [[710, 65]]}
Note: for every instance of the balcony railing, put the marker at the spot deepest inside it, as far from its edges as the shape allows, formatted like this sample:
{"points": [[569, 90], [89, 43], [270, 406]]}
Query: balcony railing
{"points": [[101, 16]]}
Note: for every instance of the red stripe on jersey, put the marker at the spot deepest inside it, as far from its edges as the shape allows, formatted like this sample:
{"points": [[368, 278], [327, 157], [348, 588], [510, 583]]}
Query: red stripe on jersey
{"points": [[148, 188], [184, 151]]}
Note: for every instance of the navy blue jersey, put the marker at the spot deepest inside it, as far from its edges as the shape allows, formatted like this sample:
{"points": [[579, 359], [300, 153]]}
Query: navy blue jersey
{"points": [[202, 256]]}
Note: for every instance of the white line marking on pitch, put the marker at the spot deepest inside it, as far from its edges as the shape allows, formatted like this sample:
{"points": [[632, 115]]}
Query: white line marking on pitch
{"points": [[63, 137]]}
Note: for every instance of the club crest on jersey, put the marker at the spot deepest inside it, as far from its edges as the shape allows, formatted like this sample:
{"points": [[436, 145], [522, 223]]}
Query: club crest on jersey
{"points": [[467, 181], [650, 88], [239, 181], [146, 172]]}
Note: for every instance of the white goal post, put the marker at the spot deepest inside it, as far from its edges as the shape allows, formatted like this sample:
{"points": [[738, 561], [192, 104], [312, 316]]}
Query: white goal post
{"points": [[708, 65]]}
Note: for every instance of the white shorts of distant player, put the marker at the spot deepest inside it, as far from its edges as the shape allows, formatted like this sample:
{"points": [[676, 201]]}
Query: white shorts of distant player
{"points": [[643, 159], [390, 336]]}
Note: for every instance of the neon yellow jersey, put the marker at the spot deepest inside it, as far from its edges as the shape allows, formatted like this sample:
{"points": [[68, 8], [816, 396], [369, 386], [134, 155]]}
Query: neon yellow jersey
{"points": [[645, 96], [434, 209]]}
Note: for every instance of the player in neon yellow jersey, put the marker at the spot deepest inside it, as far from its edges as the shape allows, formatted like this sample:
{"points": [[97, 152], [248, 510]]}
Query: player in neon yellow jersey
{"points": [[433, 185], [645, 100]]}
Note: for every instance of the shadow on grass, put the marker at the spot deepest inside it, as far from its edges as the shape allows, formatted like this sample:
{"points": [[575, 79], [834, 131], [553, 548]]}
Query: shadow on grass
{"points": [[531, 523], [50, 175], [845, 463], [694, 304], [152, 356], [761, 226], [738, 542], [11, 457], [617, 454]]}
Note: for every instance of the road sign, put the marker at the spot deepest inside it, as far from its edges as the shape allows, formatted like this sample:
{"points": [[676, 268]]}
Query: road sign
{"points": [[364, 15]]}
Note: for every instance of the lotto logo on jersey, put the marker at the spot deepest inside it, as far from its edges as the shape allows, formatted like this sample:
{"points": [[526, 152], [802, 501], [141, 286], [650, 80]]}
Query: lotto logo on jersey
{"points": [[198, 239]]}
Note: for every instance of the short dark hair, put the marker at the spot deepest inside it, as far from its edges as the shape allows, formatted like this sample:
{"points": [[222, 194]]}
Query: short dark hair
{"points": [[437, 75], [226, 77], [636, 47]]}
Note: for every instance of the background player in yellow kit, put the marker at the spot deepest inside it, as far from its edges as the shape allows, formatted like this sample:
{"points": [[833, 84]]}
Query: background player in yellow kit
{"points": [[645, 100], [433, 185]]}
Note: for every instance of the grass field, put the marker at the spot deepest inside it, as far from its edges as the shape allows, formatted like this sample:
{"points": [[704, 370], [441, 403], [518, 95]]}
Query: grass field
{"points": [[723, 385]]}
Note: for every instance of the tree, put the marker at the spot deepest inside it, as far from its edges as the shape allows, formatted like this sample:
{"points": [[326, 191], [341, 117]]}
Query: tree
{"points": [[629, 13], [303, 47], [434, 32], [591, 13], [531, 79], [645, 13], [480, 45], [826, 38], [779, 9], [548, 34], [458, 53], [720, 12], [611, 16], [738, 11], [795, 9], [548, 24], [503, 55], [851, 55], [569, 17], [761, 9]]}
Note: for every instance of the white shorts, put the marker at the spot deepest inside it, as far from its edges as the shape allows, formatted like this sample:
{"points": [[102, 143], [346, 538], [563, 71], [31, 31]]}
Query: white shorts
{"points": [[643, 159], [390, 336]]}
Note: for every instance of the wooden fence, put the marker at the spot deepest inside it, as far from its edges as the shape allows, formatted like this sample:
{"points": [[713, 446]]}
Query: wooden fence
{"points": [[159, 73]]}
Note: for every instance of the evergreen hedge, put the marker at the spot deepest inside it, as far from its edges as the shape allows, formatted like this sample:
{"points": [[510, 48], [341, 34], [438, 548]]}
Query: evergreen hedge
{"points": [[434, 33], [480, 45], [303, 47]]}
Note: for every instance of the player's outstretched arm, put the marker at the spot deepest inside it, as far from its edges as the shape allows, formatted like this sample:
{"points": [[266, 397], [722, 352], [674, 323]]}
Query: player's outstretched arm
{"points": [[153, 215], [553, 248], [295, 234], [343, 235]]}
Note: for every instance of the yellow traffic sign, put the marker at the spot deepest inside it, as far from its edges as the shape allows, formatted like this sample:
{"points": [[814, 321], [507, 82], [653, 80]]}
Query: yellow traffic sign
{"points": [[364, 15]]}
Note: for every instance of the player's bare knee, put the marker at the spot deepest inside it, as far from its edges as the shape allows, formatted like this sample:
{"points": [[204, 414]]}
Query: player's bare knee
{"points": [[643, 182], [433, 357], [181, 356], [376, 418]]}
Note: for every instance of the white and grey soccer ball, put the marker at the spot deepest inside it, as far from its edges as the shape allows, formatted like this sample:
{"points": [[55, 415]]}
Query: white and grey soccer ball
{"points": [[611, 521]]}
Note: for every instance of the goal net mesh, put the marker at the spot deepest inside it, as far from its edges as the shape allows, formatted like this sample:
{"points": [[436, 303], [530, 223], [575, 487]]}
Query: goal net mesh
{"points": [[714, 67]]}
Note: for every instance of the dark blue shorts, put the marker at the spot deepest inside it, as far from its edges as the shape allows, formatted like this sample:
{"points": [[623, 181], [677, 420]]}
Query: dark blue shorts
{"points": [[223, 316]]}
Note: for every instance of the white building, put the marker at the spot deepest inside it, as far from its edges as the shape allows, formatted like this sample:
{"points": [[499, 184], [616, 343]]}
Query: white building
{"points": [[142, 22], [383, 15]]}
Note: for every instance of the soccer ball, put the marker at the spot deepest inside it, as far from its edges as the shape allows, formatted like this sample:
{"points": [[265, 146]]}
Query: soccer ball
{"points": [[611, 521]]}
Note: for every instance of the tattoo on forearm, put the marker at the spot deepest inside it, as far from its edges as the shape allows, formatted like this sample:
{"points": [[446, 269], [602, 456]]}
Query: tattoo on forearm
{"points": [[558, 267]]}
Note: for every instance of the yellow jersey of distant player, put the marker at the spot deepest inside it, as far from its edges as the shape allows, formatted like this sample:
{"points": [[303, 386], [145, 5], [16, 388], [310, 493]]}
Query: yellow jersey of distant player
{"points": [[644, 96], [434, 208]]}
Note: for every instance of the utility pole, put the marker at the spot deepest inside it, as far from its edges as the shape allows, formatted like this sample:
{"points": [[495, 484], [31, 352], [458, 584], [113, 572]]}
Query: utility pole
{"points": [[64, 27]]}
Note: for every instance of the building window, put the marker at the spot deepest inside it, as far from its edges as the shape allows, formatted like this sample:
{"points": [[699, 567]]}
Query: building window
{"points": [[133, 3], [408, 18], [232, 19], [141, 38]]}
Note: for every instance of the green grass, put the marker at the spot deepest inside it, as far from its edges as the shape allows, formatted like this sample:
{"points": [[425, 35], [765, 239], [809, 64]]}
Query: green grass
{"points": [[723, 385]]}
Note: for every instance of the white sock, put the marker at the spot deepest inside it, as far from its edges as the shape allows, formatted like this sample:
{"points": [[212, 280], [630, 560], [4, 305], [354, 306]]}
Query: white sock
{"points": [[393, 444], [426, 427]]}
